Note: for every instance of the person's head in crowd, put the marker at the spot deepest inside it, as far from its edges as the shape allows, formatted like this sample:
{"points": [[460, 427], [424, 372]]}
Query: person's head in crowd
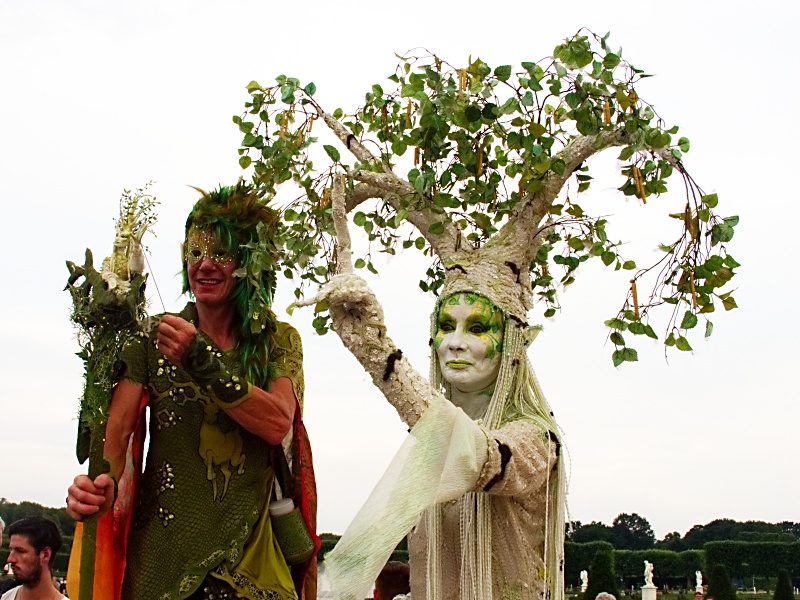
{"points": [[33, 542], [392, 581]]}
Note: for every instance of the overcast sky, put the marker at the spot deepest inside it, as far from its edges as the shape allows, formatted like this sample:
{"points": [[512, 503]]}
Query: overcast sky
{"points": [[99, 96]]}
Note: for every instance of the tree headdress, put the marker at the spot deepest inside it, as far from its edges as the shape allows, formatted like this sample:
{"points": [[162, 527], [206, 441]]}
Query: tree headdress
{"points": [[500, 160]]}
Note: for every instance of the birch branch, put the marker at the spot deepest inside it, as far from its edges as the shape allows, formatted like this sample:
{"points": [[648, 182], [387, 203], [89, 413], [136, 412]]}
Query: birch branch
{"points": [[358, 320], [392, 188], [521, 231], [344, 254]]}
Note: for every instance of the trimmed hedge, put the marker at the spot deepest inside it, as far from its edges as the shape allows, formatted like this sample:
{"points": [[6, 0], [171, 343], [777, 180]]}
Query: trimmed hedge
{"points": [[578, 557], [783, 588], [746, 559], [602, 577], [719, 584], [675, 569]]}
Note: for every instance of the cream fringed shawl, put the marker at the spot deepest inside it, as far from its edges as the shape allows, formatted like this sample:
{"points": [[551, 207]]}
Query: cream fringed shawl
{"points": [[439, 462]]}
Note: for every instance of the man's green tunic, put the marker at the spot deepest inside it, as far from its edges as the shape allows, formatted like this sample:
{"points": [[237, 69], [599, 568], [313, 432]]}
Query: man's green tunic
{"points": [[201, 506]]}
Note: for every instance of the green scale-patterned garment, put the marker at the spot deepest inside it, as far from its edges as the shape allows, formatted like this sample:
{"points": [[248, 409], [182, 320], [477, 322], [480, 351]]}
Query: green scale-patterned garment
{"points": [[205, 486]]}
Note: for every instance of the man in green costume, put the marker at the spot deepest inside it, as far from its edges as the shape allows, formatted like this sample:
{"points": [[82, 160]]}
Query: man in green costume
{"points": [[224, 383]]}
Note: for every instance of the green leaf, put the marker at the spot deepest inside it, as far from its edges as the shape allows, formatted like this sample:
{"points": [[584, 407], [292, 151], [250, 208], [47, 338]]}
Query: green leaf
{"points": [[689, 320], [359, 219], [670, 341], [244, 161], [536, 130], [683, 144], [617, 358], [626, 153], [472, 113], [682, 344], [629, 265], [254, 86], [436, 228], [550, 312], [399, 147], [616, 324], [419, 184], [729, 261], [608, 257], [630, 355], [337, 114], [360, 263], [636, 328], [710, 200], [617, 339], [611, 60], [490, 111], [573, 99], [482, 220], [575, 243], [310, 89], [721, 232], [503, 72], [332, 152], [709, 328], [729, 303], [287, 93], [534, 70]]}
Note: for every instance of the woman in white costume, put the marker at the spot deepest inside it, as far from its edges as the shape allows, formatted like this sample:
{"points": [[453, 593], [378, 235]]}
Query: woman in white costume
{"points": [[480, 478]]}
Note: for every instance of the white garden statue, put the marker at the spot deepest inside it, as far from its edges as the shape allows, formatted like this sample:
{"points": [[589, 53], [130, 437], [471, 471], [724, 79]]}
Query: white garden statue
{"points": [[648, 573]]}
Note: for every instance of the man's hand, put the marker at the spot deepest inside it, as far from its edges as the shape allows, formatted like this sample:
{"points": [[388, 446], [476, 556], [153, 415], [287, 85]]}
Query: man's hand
{"points": [[174, 336], [86, 497]]}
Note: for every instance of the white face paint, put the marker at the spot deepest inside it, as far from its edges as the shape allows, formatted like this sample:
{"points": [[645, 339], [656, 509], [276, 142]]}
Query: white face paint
{"points": [[469, 341]]}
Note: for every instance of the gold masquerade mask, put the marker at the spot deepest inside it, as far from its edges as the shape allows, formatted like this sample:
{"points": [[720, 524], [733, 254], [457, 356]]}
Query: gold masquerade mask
{"points": [[201, 244]]}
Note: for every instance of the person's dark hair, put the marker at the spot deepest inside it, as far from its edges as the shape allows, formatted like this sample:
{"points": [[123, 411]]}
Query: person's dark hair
{"points": [[40, 532], [393, 580]]}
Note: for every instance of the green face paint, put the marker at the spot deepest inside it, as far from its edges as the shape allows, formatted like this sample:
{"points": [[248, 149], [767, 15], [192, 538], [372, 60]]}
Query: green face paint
{"points": [[483, 321], [469, 341]]}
